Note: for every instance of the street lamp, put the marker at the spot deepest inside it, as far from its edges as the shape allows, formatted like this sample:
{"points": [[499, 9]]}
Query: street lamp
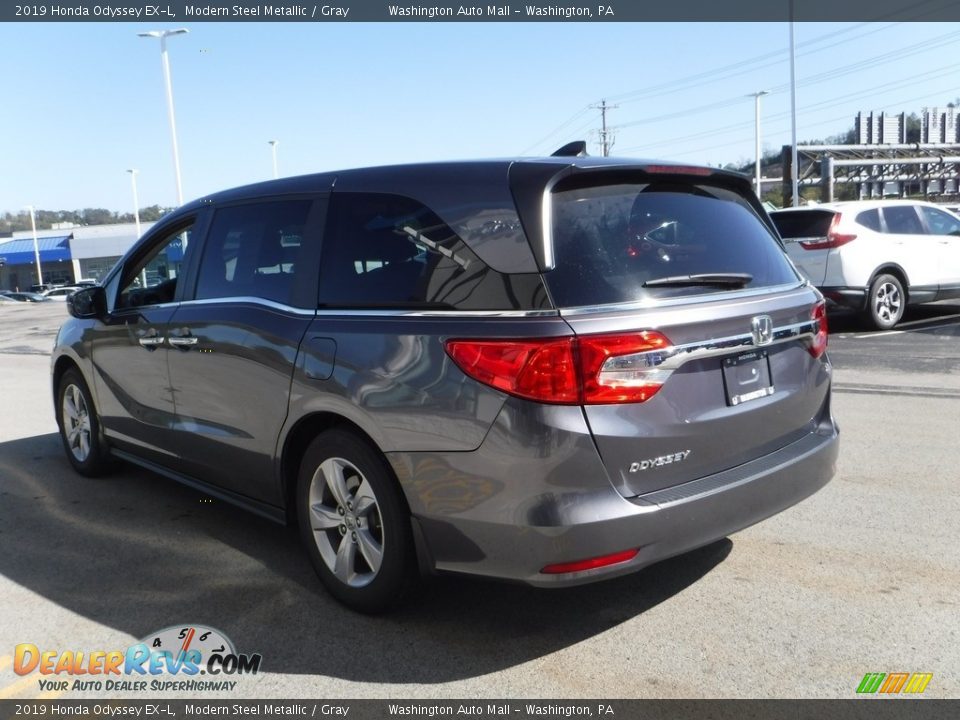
{"points": [[36, 245], [794, 160], [756, 97], [163, 35], [136, 201], [273, 148]]}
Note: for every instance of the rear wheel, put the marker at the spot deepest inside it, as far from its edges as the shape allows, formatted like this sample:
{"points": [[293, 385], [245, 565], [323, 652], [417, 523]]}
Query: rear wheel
{"points": [[886, 302], [80, 426], [354, 522]]}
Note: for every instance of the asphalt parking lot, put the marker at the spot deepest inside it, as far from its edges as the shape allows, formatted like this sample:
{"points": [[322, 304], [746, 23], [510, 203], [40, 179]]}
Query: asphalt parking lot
{"points": [[862, 577]]}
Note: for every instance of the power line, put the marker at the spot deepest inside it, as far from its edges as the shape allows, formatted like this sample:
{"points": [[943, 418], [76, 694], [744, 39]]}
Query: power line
{"points": [[919, 98], [708, 74], [906, 51], [754, 63], [814, 107]]}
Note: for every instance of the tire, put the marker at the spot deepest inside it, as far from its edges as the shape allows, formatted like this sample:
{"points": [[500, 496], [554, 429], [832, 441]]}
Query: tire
{"points": [[354, 522], [886, 302], [80, 426]]}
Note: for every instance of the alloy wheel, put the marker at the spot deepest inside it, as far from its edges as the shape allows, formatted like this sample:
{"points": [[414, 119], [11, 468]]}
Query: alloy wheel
{"points": [[346, 522], [76, 422]]}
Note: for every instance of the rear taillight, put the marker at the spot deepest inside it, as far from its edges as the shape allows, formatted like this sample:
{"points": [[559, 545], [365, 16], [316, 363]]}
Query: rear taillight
{"points": [[833, 238], [818, 345], [621, 368], [584, 370], [534, 369]]}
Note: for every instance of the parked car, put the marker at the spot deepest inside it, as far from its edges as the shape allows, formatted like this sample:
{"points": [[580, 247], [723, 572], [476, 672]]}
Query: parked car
{"points": [[24, 296], [875, 256], [85, 282], [60, 293], [44, 287], [550, 371]]}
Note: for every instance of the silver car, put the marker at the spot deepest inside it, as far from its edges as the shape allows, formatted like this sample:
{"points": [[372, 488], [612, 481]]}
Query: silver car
{"points": [[549, 371]]}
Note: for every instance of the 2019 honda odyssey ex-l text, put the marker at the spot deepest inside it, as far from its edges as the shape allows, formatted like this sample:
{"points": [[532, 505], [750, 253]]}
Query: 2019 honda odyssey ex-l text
{"points": [[550, 371]]}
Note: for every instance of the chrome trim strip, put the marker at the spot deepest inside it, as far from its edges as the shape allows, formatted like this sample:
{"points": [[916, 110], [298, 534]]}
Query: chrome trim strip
{"points": [[673, 357], [250, 300], [347, 312], [439, 313], [654, 304]]}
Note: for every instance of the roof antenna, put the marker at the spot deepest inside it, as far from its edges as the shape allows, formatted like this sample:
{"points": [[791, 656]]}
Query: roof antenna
{"points": [[578, 148]]}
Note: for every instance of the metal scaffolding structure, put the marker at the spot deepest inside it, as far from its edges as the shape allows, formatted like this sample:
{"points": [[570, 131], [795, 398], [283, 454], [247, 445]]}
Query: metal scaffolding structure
{"points": [[896, 170]]}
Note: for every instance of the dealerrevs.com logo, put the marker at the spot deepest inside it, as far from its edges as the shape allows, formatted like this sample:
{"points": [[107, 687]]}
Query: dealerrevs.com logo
{"points": [[187, 658], [894, 683]]}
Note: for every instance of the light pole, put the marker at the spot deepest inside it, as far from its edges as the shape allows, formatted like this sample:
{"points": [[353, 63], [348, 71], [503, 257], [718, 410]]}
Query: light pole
{"points": [[36, 245], [756, 97], [136, 201], [794, 170], [163, 35], [273, 149]]}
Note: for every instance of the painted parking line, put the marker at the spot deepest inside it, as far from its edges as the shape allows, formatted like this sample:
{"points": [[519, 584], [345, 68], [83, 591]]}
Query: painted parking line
{"points": [[912, 325], [15, 688], [19, 686], [51, 695]]}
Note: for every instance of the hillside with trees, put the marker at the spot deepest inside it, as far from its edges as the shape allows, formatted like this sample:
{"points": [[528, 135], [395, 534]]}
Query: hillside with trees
{"points": [[13, 222]]}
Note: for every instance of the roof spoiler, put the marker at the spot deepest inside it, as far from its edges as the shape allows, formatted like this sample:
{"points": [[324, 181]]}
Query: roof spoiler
{"points": [[578, 148]]}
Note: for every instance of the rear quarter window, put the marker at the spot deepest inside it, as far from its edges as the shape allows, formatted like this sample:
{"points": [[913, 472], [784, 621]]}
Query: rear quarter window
{"points": [[390, 251], [609, 240], [870, 219]]}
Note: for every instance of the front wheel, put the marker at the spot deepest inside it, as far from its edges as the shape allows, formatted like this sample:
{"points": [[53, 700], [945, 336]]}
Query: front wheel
{"points": [[354, 522], [80, 426], [886, 302]]}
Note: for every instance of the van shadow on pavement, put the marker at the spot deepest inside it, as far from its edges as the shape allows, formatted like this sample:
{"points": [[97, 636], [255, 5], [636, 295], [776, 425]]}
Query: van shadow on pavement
{"points": [[137, 553]]}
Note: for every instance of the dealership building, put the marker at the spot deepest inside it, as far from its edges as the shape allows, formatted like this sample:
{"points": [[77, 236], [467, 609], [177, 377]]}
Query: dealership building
{"points": [[67, 254]]}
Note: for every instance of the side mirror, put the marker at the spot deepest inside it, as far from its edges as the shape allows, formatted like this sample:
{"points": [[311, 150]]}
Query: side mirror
{"points": [[88, 303]]}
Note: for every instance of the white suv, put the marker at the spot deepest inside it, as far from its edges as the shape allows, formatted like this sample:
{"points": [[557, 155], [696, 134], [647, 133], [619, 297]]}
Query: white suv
{"points": [[875, 256]]}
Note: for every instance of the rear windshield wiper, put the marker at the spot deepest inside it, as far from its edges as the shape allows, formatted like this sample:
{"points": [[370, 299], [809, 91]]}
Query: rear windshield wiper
{"points": [[733, 280]]}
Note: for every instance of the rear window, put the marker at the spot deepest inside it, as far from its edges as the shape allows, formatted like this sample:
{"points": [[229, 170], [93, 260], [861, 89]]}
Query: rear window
{"points": [[611, 241], [797, 224]]}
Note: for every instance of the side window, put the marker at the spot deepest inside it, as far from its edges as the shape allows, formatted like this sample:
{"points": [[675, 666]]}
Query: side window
{"points": [[153, 280], [390, 251], [252, 251], [902, 219], [870, 219], [940, 222]]}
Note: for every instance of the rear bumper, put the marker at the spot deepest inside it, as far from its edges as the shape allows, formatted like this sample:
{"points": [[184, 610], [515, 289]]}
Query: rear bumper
{"points": [[468, 520], [853, 298]]}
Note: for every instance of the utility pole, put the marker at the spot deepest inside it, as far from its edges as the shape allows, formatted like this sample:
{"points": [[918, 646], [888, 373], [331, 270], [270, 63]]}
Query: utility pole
{"points": [[606, 139]]}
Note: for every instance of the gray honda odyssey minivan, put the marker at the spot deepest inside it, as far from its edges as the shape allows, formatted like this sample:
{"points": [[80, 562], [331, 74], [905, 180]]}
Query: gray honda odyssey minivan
{"points": [[549, 371]]}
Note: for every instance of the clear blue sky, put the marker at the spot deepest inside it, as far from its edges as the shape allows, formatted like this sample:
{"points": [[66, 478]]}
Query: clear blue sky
{"points": [[84, 101]]}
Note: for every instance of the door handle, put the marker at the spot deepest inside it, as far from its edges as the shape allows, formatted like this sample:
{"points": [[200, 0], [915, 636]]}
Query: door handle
{"points": [[150, 339], [182, 339]]}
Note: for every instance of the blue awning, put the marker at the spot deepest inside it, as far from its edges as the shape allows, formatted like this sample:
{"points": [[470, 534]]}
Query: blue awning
{"points": [[20, 252]]}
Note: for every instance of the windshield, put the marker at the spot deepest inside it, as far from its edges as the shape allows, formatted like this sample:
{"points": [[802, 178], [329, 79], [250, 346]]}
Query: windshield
{"points": [[613, 242]]}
